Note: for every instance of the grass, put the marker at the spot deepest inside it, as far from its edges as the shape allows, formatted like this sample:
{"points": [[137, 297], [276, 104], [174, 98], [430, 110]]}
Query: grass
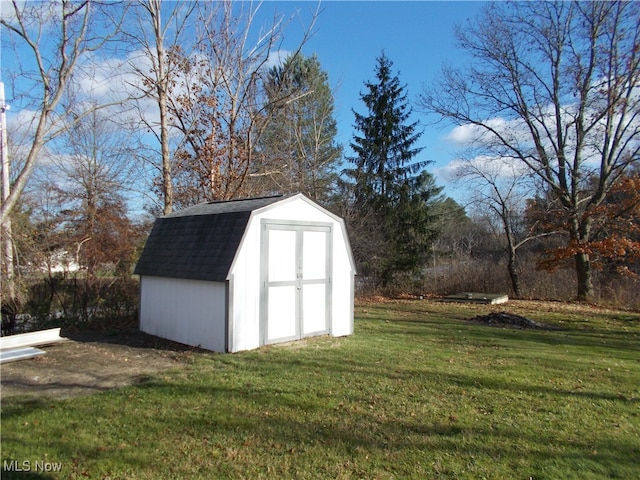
{"points": [[417, 392]]}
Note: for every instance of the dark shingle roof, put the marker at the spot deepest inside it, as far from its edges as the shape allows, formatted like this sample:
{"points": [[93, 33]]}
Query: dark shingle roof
{"points": [[199, 242], [228, 206]]}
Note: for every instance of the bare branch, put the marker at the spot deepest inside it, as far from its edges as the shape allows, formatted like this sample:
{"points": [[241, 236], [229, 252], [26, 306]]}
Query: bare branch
{"points": [[66, 44]]}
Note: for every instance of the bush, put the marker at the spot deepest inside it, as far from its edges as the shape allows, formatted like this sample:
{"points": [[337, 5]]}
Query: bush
{"points": [[62, 300]]}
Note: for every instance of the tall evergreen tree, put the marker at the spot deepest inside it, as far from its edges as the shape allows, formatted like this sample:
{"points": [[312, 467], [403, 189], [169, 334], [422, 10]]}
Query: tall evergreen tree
{"points": [[391, 220], [298, 148], [385, 147]]}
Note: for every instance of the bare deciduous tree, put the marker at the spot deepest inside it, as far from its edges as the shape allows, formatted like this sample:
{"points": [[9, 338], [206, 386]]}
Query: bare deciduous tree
{"points": [[53, 59], [552, 86], [222, 113], [500, 188], [89, 178], [50, 41], [158, 30]]}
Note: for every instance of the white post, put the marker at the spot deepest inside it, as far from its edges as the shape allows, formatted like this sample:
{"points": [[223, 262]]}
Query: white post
{"points": [[5, 235]]}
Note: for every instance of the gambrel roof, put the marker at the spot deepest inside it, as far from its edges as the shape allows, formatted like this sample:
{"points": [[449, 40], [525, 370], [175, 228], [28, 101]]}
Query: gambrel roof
{"points": [[199, 242]]}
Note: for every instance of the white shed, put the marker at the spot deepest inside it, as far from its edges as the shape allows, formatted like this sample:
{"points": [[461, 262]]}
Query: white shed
{"points": [[236, 275]]}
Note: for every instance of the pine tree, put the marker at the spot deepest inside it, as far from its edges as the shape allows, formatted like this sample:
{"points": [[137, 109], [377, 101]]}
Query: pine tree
{"points": [[385, 147], [298, 148], [391, 220]]}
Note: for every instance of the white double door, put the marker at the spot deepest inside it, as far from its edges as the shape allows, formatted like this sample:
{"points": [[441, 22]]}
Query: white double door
{"points": [[296, 281]]}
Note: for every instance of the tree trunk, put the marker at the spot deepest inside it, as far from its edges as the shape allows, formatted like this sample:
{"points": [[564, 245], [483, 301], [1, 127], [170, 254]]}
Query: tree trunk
{"points": [[582, 233], [162, 89], [583, 272], [513, 273]]}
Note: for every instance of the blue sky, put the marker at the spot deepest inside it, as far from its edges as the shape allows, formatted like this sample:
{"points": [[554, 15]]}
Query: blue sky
{"points": [[348, 37], [416, 35]]}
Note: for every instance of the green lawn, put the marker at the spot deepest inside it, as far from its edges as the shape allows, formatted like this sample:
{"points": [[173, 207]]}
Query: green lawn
{"points": [[417, 392]]}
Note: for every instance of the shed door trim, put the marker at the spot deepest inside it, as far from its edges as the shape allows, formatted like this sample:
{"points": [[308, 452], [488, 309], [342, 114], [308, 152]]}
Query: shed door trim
{"points": [[295, 279]]}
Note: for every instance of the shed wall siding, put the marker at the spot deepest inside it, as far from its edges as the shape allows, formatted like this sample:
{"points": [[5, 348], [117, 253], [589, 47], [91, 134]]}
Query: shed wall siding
{"points": [[342, 287], [245, 300], [186, 311]]}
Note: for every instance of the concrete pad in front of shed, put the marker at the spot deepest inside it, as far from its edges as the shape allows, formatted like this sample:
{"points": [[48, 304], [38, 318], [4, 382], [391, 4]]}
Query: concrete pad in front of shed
{"points": [[476, 297]]}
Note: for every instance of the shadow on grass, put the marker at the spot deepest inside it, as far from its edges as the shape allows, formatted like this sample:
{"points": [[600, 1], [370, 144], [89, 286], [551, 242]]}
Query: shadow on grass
{"points": [[258, 411], [266, 418], [130, 337], [97, 384], [345, 407], [11, 474], [622, 340], [19, 406], [434, 378]]}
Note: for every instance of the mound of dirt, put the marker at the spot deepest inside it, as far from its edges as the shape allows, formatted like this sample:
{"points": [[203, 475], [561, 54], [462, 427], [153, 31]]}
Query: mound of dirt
{"points": [[505, 319]]}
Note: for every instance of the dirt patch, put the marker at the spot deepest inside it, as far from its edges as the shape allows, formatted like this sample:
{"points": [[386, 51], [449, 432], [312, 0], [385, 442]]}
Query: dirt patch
{"points": [[92, 362]]}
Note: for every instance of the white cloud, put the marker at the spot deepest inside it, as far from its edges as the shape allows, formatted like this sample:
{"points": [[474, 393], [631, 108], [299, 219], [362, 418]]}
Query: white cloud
{"points": [[115, 82], [491, 166], [276, 58], [38, 17], [462, 135], [21, 124], [7, 12], [448, 173], [103, 79], [469, 134]]}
